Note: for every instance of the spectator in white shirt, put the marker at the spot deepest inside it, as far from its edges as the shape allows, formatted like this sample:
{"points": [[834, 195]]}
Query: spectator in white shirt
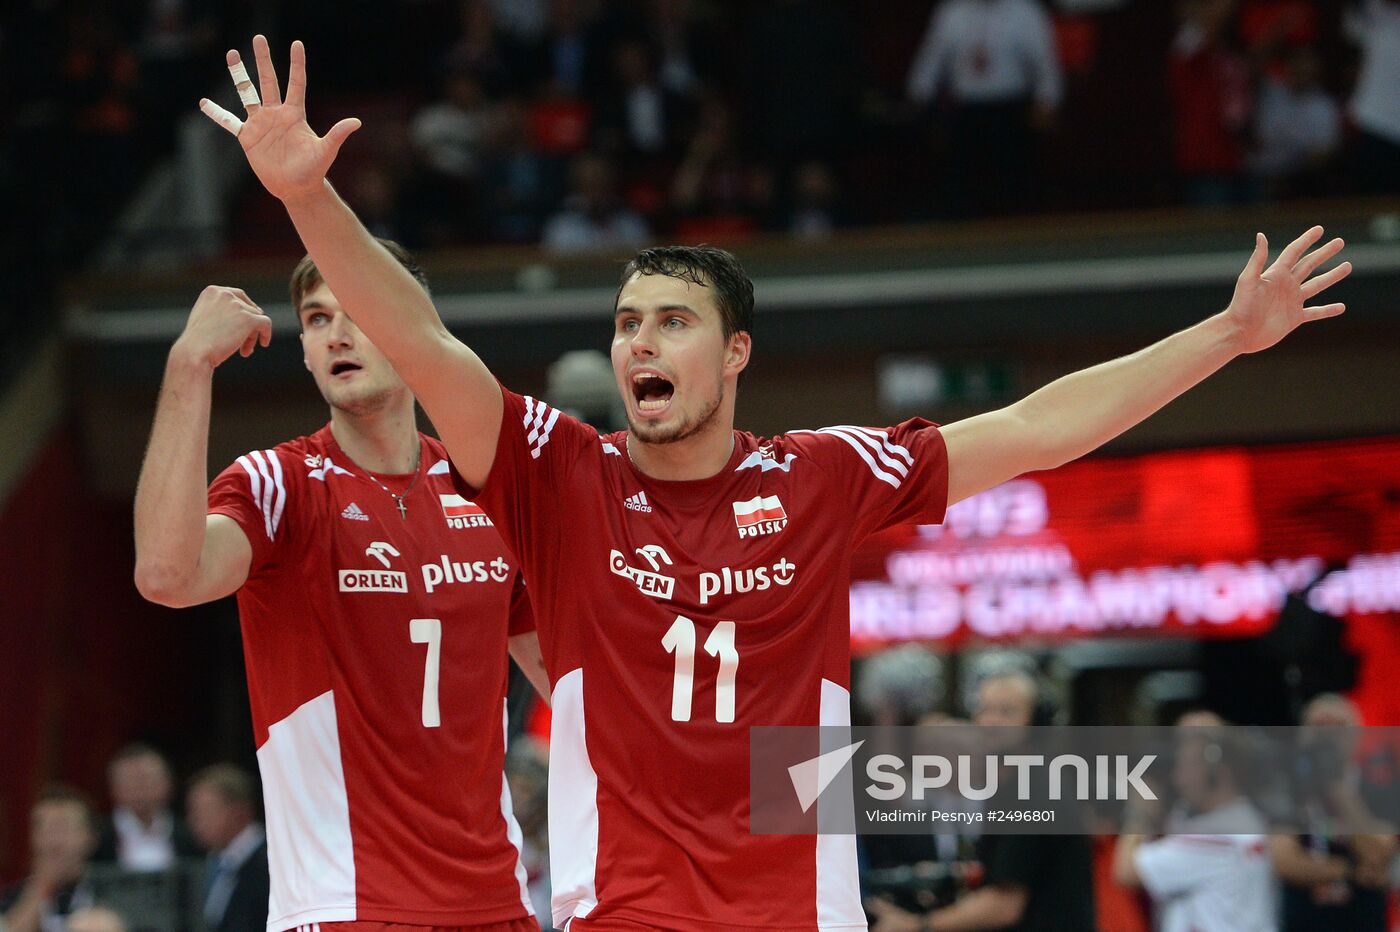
{"points": [[142, 834], [1210, 869], [1374, 25], [449, 133], [594, 218], [1297, 124], [995, 66]]}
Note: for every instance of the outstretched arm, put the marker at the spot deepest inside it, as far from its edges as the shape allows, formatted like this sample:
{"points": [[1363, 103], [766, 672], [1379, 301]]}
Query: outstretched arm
{"points": [[183, 555], [386, 303], [1080, 412]]}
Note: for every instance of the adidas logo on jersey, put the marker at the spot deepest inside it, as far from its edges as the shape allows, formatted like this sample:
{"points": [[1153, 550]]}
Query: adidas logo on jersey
{"points": [[762, 514], [637, 502], [353, 512]]}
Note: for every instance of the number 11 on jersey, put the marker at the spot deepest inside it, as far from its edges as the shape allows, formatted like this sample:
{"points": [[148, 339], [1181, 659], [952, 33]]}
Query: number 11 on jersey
{"points": [[680, 640]]}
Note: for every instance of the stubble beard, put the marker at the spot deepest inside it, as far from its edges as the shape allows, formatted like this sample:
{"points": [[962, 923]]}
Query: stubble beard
{"points": [[649, 433], [360, 404]]}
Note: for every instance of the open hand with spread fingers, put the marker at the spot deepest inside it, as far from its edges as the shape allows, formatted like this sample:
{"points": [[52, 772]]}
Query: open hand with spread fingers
{"points": [[1269, 303], [285, 153]]}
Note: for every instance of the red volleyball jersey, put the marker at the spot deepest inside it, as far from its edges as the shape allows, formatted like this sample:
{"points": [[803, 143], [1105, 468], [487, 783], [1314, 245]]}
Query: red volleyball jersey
{"points": [[673, 617], [376, 650]]}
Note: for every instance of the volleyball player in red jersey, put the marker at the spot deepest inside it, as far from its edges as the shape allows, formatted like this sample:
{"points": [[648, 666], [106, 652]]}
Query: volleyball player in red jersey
{"points": [[690, 580], [377, 605]]}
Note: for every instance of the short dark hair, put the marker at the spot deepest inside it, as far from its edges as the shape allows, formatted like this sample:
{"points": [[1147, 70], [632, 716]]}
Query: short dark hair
{"points": [[709, 266], [233, 783], [136, 750], [62, 794], [305, 277]]}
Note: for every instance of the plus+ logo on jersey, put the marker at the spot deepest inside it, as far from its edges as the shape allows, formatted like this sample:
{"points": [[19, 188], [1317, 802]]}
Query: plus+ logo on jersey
{"points": [[448, 571], [738, 580]]}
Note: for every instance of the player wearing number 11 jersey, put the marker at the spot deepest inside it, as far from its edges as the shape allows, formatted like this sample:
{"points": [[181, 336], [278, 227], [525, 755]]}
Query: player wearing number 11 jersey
{"points": [[689, 579], [710, 606], [376, 606]]}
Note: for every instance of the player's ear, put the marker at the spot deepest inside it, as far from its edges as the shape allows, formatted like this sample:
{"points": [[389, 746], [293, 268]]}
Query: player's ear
{"points": [[304, 361], [736, 354]]}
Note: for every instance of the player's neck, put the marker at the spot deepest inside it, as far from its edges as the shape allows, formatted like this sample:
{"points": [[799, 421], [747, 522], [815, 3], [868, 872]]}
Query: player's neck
{"points": [[698, 457], [383, 442]]}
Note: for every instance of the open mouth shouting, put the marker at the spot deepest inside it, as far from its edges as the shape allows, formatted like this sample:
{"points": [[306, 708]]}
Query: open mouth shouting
{"points": [[652, 390], [344, 368]]}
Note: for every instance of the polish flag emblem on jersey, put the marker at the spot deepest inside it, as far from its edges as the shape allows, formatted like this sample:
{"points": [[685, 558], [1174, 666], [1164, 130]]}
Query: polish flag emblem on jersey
{"points": [[762, 514], [461, 513]]}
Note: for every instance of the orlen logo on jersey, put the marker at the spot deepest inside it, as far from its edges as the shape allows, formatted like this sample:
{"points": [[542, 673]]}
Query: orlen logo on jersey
{"points": [[652, 583], [449, 571], [385, 580], [729, 581], [762, 514], [373, 581], [461, 513]]}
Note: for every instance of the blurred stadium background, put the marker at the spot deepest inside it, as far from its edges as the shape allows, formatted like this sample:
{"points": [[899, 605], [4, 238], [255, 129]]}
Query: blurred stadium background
{"points": [[915, 250]]}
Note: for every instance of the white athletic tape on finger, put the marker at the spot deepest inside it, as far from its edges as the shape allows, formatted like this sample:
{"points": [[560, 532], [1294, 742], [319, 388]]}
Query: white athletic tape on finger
{"points": [[221, 116], [246, 91]]}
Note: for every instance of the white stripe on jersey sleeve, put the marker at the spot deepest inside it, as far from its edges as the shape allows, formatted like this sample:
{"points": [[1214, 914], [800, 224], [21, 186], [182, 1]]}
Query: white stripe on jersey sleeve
{"points": [[544, 437], [255, 486], [281, 502], [861, 451], [884, 439], [534, 423], [268, 490], [537, 427], [875, 447]]}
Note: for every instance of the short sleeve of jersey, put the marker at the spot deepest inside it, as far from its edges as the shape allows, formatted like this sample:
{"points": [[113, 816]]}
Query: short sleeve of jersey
{"points": [[254, 492], [522, 614], [889, 475], [529, 480]]}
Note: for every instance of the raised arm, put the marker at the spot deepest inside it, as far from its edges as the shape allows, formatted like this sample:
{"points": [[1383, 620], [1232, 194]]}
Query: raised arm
{"points": [[183, 555], [1080, 412], [452, 383]]}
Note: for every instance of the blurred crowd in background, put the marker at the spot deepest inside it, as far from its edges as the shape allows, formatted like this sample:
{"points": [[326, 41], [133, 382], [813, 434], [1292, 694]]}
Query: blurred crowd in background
{"points": [[586, 125], [602, 124], [191, 856], [594, 124], [1208, 853]]}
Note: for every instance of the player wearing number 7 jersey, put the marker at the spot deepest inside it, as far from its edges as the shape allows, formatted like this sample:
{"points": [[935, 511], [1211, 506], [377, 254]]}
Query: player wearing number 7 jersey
{"points": [[376, 604], [690, 580]]}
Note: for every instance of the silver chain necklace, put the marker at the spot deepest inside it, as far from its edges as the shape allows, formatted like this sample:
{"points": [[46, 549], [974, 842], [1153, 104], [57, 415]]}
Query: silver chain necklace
{"points": [[398, 499]]}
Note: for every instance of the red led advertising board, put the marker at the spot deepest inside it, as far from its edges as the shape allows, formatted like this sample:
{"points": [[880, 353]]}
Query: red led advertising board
{"points": [[1201, 543]]}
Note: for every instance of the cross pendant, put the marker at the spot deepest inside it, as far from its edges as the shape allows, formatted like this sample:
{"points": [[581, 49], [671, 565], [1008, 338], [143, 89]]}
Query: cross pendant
{"points": [[403, 509]]}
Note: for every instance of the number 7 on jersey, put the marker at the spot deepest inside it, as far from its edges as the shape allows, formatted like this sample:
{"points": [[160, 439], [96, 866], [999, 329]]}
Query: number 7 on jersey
{"points": [[429, 631]]}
